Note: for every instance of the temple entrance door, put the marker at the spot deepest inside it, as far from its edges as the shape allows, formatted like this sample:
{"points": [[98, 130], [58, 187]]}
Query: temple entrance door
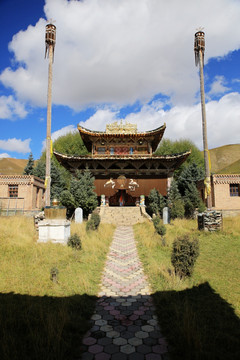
{"points": [[121, 198]]}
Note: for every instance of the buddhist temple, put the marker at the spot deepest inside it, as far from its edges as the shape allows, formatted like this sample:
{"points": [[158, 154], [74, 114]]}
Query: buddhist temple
{"points": [[123, 162]]}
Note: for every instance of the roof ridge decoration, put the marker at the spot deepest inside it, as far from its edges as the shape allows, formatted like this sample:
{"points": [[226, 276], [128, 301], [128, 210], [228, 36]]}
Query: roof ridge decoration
{"points": [[120, 128]]}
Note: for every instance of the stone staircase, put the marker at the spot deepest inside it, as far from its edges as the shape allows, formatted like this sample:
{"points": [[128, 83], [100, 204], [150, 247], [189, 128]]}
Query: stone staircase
{"points": [[123, 216]]}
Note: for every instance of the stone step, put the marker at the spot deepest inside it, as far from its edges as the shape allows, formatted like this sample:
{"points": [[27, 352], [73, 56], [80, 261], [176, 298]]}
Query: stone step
{"points": [[121, 215]]}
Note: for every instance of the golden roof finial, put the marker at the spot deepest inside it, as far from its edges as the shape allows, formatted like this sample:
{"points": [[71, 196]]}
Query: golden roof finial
{"points": [[120, 128]]}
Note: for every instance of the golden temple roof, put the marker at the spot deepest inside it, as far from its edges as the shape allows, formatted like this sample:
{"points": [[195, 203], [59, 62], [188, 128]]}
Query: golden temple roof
{"points": [[119, 131]]}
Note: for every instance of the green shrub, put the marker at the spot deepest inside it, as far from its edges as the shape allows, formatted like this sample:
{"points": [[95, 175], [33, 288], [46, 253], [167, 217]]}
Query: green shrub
{"points": [[94, 222], [184, 255], [201, 207], [75, 242], [156, 220], [54, 274], [161, 229]]}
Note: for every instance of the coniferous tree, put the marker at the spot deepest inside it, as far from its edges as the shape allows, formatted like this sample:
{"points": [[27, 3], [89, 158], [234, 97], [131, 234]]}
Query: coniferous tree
{"points": [[175, 201], [156, 202], [82, 188], [58, 180], [173, 193], [29, 168], [190, 175], [191, 200], [187, 185], [40, 169]]}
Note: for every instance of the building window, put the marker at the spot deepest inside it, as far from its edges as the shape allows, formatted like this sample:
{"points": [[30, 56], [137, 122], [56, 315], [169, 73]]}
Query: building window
{"points": [[234, 190], [142, 150], [111, 151], [13, 191], [131, 150], [101, 150], [121, 150]]}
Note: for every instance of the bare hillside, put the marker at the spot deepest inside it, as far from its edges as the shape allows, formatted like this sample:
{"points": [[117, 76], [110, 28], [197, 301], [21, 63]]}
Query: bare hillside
{"points": [[225, 159], [9, 166]]}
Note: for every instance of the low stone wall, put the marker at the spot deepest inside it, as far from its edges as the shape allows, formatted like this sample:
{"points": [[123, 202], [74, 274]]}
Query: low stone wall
{"points": [[210, 221], [230, 213]]}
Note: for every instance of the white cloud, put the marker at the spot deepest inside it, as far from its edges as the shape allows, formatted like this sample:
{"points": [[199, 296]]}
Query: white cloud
{"points": [[16, 145], [121, 51], [184, 122], [11, 109], [218, 86], [61, 132], [99, 120], [4, 156]]}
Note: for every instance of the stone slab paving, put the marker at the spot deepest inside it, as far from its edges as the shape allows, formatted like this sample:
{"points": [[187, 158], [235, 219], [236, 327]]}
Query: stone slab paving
{"points": [[124, 325]]}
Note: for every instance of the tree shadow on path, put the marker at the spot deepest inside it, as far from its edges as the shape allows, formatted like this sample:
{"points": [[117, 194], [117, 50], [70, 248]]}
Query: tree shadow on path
{"points": [[198, 324], [46, 328]]}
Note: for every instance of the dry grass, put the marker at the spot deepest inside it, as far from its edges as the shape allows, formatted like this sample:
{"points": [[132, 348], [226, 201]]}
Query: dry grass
{"points": [[199, 315], [25, 265], [218, 262], [38, 318]]}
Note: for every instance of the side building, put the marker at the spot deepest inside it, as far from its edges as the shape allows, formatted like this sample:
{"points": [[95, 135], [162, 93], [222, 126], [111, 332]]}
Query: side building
{"points": [[225, 193], [21, 193], [123, 163]]}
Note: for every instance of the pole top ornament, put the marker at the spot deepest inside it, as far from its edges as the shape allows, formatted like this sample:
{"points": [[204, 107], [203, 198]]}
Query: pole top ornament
{"points": [[199, 44], [50, 37]]}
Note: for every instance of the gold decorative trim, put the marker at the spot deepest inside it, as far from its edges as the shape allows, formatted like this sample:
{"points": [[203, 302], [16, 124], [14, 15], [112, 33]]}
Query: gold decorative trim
{"points": [[120, 128]]}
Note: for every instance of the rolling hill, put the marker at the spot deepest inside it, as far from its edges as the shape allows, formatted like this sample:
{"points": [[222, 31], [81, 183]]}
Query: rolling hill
{"points": [[225, 159], [10, 166]]}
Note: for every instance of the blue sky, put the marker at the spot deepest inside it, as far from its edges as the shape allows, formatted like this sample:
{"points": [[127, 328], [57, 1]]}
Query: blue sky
{"points": [[128, 59]]}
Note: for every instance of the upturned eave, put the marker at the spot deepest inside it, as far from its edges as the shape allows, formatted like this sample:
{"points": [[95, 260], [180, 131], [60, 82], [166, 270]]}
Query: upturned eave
{"points": [[88, 135]]}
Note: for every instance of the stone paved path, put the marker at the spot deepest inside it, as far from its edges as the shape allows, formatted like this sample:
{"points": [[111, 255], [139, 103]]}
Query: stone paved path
{"points": [[124, 325]]}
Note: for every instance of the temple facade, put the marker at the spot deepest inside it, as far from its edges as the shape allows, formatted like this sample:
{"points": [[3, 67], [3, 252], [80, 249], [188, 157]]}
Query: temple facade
{"points": [[123, 163]]}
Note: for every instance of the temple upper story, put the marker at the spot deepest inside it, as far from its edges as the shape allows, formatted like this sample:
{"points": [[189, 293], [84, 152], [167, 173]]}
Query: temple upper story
{"points": [[121, 139]]}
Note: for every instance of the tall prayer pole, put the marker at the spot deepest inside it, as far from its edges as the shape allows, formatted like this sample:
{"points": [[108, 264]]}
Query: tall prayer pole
{"points": [[50, 41], [199, 48]]}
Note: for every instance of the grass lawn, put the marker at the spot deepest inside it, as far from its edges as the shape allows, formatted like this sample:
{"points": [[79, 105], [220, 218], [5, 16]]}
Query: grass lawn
{"points": [[199, 316], [40, 319]]}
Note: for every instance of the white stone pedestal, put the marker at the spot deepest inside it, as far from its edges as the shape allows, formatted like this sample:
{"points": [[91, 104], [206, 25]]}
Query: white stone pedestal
{"points": [[54, 230]]}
